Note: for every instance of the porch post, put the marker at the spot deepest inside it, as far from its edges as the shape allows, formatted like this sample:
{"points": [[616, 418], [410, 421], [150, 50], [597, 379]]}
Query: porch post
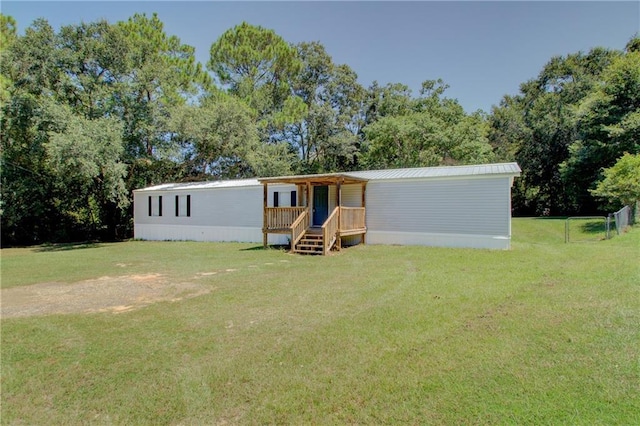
{"points": [[339, 204], [364, 205], [265, 197]]}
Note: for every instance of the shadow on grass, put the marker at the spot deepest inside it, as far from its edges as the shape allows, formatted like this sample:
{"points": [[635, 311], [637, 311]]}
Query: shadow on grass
{"points": [[66, 247], [596, 227], [550, 218], [270, 247]]}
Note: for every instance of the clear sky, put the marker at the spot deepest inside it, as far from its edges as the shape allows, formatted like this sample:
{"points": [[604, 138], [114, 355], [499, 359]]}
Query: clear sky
{"points": [[483, 50]]}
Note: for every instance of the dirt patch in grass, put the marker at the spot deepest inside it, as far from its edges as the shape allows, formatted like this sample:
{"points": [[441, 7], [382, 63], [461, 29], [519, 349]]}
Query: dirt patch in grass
{"points": [[104, 294]]}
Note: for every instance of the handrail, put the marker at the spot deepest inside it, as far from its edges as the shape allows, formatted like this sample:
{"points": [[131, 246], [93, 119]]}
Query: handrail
{"points": [[282, 217], [352, 218], [299, 227], [330, 229]]}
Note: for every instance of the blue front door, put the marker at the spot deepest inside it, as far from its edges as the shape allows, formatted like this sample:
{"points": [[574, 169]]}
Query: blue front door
{"points": [[320, 204]]}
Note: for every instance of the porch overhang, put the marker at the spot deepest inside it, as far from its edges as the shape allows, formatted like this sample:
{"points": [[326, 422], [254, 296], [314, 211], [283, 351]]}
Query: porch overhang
{"points": [[319, 179]]}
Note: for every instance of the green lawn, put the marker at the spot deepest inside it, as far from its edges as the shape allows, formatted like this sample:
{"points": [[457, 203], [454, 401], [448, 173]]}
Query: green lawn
{"points": [[546, 333]]}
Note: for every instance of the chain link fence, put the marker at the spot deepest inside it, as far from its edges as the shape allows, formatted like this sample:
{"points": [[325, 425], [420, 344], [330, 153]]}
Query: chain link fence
{"points": [[623, 219], [596, 228]]}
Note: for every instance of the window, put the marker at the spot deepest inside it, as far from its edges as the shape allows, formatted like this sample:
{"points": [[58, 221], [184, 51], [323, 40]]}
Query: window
{"points": [[281, 199], [155, 205], [183, 205]]}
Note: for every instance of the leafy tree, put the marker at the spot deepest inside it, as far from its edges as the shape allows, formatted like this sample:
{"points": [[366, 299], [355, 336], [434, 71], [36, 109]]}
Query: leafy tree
{"points": [[621, 183], [507, 128], [537, 127], [84, 155], [219, 139], [428, 131], [394, 99], [8, 31], [162, 73], [326, 135], [609, 124], [257, 65], [87, 121], [633, 45], [27, 193]]}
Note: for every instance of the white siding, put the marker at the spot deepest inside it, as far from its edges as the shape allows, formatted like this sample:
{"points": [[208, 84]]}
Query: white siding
{"points": [[477, 207], [220, 214], [351, 195]]}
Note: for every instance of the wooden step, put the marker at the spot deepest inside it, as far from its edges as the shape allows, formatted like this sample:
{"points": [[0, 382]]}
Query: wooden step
{"points": [[310, 243], [306, 241], [307, 251], [307, 247]]}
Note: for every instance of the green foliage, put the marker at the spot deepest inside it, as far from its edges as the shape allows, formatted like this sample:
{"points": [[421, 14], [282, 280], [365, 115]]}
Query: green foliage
{"points": [[621, 183], [256, 64], [28, 195], [8, 32], [271, 160], [633, 45], [85, 154], [538, 127], [326, 134], [507, 128], [217, 137], [161, 74], [427, 131], [87, 122], [608, 120]]}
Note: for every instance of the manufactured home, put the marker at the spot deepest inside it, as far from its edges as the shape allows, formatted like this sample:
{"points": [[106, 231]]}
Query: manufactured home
{"points": [[450, 206]]}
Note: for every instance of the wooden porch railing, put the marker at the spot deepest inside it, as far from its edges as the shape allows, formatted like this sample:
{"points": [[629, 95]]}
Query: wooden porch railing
{"points": [[299, 227], [330, 230], [352, 218], [281, 218]]}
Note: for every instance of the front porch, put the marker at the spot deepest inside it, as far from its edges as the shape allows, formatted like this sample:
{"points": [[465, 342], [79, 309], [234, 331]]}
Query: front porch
{"points": [[317, 223]]}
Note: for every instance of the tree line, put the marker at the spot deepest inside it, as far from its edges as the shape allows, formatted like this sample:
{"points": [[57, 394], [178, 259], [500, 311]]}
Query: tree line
{"points": [[94, 110]]}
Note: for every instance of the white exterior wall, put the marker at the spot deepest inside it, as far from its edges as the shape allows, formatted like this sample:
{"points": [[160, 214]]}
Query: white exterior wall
{"points": [[456, 212], [351, 195], [219, 214], [471, 210]]}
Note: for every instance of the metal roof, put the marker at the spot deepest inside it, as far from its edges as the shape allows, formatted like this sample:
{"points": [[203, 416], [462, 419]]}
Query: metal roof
{"points": [[511, 169], [505, 169], [202, 185]]}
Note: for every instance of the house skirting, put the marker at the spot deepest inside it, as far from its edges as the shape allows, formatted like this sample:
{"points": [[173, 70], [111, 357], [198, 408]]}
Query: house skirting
{"points": [[238, 234], [254, 235], [438, 240]]}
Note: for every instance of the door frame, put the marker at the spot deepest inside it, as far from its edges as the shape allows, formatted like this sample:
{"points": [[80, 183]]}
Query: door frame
{"points": [[316, 196]]}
